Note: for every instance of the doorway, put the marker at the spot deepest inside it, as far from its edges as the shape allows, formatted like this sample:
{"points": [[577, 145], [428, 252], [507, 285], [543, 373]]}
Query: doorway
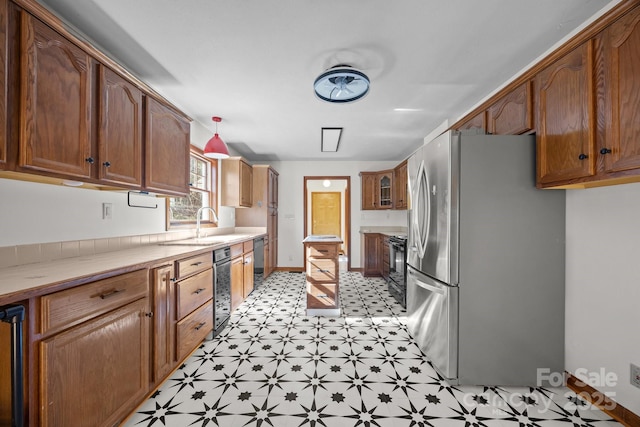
{"points": [[327, 201]]}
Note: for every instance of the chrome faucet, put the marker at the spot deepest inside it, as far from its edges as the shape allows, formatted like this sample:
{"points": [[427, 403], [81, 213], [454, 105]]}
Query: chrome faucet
{"points": [[215, 218]]}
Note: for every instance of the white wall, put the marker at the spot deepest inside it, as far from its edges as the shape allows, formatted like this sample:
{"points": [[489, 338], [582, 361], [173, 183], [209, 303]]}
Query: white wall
{"points": [[603, 286], [291, 205]]}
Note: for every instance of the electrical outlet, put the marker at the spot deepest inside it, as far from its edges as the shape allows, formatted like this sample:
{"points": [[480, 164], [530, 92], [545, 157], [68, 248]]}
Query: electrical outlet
{"points": [[635, 375]]}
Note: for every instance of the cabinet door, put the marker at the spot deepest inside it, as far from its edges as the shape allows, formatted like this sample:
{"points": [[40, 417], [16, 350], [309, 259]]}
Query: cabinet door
{"points": [[513, 113], [475, 122], [400, 193], [385, 185], [96, 373], [164, 357], [120, 130], [4, 13], [55, 107], [237, 282], [273, 188], [565, 128], [369, 185], [248, 265], [246, 184], [621, 47], [371, 254], [167, 150], [272, 229]]}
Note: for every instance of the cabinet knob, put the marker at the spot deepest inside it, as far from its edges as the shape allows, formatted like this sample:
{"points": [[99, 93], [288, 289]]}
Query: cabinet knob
{"points": [[583, 156], [107, 164], [89, 160], [605, 151], [150, 314]]}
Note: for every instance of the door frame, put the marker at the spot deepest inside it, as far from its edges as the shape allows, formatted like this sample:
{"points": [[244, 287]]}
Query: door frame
{"points": [[346, 207]]}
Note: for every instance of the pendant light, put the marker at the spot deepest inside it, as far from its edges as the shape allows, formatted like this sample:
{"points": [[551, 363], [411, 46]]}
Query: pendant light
{"points": [[216, 148]]}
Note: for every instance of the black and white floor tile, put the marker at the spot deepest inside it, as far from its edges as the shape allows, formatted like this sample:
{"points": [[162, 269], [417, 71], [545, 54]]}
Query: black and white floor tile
{"points": [[275, 366]]}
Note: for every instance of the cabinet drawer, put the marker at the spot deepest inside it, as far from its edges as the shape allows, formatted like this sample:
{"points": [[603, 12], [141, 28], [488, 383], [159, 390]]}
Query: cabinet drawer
{"points": [[72, 306], [247, 246], [321, 295], [237, 250], [193, 329], [194, 291], [188, 266], [322, 269], [319, 250]]}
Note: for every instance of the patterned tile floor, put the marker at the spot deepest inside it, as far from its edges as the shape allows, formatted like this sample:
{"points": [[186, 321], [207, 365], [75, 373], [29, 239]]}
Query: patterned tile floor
{"points": [[274, 366]]}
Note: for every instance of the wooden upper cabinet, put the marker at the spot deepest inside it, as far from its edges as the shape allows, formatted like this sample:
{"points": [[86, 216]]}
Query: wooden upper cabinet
{"points": [[167, 150], [120, 130], [385, 190], [273, 188], [369, 186], [565, 119], [400, 184], [55, 102], [476, 122], [620, 149], [4, 12], [237, 183], [513, 113]]}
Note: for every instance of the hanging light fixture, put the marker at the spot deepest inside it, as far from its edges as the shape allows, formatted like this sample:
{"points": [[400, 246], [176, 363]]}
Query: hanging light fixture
{"points": [[216, 148]]}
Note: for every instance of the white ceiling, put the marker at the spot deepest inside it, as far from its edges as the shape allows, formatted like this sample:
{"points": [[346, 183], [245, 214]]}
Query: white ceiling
{"points": [[253, 62]]}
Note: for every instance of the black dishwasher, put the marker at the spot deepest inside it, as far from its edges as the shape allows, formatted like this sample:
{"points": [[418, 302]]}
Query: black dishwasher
{"points": [[222, 289], [258, 262]]}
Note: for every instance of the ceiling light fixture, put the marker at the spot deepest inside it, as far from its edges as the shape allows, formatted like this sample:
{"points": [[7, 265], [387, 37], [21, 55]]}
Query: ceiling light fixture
{"points": [[330, 139], [341, 84], [326, 183], [216, 148]]}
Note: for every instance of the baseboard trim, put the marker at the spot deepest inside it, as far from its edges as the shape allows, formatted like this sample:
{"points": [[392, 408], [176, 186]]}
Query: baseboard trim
{"points": [[607, 405]]}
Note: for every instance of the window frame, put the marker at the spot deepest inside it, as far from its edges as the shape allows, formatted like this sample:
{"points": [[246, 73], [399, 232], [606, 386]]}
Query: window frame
{"points": [[213, 166]]}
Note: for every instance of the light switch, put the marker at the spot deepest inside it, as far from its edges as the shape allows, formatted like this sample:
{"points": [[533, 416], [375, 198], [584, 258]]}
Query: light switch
{"points": [[107, 210]]}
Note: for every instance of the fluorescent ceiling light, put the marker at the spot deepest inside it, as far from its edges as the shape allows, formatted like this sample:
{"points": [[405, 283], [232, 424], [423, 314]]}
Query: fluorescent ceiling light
{"points": [[410, 110], [330, 139]]}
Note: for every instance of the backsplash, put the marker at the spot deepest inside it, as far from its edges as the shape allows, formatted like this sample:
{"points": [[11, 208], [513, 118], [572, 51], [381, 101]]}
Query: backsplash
{"points": [[40, 252]]}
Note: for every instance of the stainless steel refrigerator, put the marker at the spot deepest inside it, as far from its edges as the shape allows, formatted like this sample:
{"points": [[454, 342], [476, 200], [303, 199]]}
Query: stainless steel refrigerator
{"points": [[485, 255]]}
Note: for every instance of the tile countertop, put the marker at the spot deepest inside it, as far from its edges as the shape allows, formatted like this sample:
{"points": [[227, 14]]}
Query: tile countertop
{"points": [[24, 281]]}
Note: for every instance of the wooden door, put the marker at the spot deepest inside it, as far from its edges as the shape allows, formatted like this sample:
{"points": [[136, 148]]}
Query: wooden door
{"points": [[4, 13], [369, 190], [246, 184], [96, 373], [401, 188], [55, 107], [164, 357], [513, 113], [167, 150], [326, 213], [120, 130], [247, 265], [620, 149], [565, 127], [237, 282]]}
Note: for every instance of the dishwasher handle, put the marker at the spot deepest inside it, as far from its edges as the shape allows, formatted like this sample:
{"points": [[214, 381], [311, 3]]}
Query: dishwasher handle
{"points": [[14, 315]]}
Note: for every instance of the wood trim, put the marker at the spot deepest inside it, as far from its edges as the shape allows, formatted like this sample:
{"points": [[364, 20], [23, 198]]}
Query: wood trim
{"points": [[604, 403], [290, 269], [588, 33]]}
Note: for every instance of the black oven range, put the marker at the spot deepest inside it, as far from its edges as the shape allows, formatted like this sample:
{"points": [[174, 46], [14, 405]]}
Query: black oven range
{"points": [[398, 268]]}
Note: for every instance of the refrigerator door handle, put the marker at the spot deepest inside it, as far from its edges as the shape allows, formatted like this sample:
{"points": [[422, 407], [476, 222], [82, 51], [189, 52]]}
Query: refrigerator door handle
{"points": [[433, 288], [421, 213]]}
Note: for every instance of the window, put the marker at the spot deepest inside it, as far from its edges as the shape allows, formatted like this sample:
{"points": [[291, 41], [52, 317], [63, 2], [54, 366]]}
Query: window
{"points": [[203, 173]]}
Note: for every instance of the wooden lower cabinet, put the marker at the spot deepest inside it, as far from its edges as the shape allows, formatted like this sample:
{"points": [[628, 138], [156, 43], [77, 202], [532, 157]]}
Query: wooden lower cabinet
{"points": [[371, 254], [322, 274], [164, 335], [96, 373], [242, 265]]}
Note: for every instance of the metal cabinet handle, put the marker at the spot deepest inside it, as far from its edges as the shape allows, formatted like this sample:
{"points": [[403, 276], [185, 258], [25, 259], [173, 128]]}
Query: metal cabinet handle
{"points": [[324, 251], [197, 328], [107, 164], [111, 293], [582, 156], [322, 296], [89, 160], [320, 270], [195, 264], [150, 314], [605, 151], [199, 290]]}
